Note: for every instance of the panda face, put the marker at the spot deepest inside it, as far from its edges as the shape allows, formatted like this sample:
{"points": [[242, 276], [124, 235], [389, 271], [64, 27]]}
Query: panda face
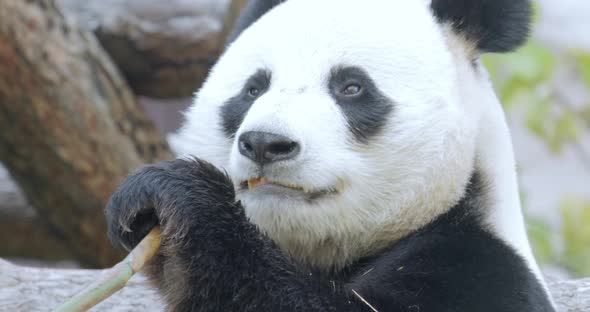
{"points": [[343, 129]]}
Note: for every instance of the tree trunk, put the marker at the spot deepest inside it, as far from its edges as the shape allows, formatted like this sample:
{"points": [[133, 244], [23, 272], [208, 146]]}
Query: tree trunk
{"points": [[29, 237], [163, 48], [31, 289], [70, 129], [233, 12]]}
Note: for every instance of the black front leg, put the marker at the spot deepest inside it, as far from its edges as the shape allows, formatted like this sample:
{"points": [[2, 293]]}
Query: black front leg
{"points": [[212, 258]]}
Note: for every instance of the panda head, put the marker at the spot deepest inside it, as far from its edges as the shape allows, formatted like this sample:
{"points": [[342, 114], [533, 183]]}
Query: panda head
{"points": [[345, 125]]}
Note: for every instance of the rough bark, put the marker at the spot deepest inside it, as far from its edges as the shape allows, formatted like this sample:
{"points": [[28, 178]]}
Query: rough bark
{"points": [[70, 129], [164, 48], [32, 289]]}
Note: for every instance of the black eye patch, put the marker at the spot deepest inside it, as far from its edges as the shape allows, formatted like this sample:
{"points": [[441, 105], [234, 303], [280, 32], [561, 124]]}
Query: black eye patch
{"points": [[366, 108], [235, 109]]}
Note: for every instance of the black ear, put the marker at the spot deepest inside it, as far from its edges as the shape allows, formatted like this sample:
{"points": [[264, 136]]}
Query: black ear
{"points": [[252, 11], [493, 25]]}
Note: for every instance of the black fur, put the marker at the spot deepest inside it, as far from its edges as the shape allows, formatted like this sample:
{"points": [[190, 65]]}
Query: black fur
{"points": [[253, 10], [236, 108], [214, 259], [366, 112], [493, 25], [455, 264]]}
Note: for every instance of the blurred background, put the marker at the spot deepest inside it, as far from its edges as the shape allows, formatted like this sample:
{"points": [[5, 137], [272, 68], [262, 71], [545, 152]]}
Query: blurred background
{"points": [[91, 89]]}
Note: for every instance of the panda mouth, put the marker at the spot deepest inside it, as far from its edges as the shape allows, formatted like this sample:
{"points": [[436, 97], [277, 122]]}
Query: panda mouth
{"points": [[257, 183]]}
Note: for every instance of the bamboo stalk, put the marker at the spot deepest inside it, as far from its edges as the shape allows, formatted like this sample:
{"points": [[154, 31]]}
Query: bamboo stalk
{"points": [[116, 277]]}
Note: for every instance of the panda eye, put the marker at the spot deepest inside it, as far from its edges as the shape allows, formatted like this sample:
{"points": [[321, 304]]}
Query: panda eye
{"points": [[352, 89], [253, 92]]}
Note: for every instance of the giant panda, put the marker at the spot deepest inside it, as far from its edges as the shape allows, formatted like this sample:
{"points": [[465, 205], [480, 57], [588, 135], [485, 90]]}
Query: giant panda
{"points": [[344, 156]]}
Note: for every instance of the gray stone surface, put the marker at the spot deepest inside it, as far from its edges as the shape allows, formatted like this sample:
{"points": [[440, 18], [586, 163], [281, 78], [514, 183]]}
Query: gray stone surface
{"points": [[36, 290]]}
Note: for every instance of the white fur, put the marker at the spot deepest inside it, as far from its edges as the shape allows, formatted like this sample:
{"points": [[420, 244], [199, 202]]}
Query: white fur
{"points": [[496, 160], [446, 120]]}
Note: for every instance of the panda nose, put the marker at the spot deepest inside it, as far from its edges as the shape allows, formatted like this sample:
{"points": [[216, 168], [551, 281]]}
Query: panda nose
{"points": [[265, 148]]}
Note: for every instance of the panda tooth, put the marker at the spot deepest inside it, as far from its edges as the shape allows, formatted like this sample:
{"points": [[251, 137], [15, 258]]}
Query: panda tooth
{"points": [[252, 183]]}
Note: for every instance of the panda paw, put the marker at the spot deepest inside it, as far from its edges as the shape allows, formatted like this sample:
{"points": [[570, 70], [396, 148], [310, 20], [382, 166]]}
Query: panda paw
{"points": [[181, 196]]}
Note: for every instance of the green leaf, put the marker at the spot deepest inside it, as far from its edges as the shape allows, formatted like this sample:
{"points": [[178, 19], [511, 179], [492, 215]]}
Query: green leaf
{"points": [[576, 236], [566, 131], [584, 67], [537, 116], [539, 233], [532, 63], [536, 12], [520, 72]]}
